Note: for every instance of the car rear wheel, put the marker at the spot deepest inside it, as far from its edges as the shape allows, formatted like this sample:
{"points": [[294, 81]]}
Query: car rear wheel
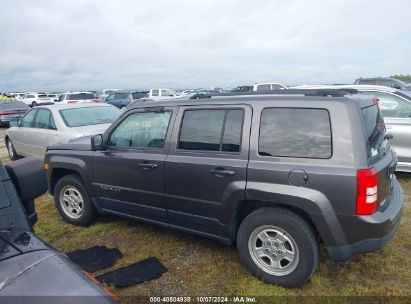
{"points": [[10, 149], [73, 202], [278, 246], [33, 104]]}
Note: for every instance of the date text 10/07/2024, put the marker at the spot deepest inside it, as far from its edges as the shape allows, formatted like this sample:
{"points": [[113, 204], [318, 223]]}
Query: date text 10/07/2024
{"points": [[239, 299]]}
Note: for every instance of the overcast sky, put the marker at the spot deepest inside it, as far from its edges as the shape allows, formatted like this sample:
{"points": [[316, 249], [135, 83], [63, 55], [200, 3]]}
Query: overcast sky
{"points": [[96, 44]]}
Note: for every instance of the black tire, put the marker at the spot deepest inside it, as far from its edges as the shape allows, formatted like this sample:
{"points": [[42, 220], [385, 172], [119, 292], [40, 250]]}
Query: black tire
{"points": [[294, 226], [33, 104], [10, 149], [89, 212]]}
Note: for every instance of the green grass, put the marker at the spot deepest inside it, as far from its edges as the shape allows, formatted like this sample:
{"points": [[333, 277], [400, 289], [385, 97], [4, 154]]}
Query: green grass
{"points": [[199, 266]]}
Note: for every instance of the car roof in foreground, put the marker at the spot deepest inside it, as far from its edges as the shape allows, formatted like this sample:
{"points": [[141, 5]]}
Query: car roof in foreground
{"points": [[245, 99]]}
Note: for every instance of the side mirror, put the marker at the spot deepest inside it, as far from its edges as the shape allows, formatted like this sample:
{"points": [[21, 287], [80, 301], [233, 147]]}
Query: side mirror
{"points": [[396, 86], [14, 123], [97, 142]]}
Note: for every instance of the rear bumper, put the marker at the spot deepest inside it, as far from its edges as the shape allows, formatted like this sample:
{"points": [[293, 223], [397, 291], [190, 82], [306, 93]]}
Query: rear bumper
{"points": [[370, 233]]}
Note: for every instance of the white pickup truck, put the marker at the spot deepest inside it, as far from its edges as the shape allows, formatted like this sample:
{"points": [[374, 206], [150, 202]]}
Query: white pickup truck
{"points": [[157, 94]]}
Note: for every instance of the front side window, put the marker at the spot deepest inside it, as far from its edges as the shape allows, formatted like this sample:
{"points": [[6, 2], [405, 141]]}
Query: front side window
{"points": [[393, 106], [78, 117], [27, 120], [142, 130], [295, 132], [211, 130]]}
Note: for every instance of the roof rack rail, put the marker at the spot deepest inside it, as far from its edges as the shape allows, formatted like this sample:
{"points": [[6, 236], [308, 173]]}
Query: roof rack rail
{"points": [[306, 92]]}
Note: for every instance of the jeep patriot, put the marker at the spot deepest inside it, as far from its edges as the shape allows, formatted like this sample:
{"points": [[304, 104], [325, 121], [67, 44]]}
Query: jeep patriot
{"points": [[274, 174]]}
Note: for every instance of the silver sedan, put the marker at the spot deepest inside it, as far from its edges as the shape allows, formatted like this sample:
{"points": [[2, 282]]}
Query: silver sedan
{"points": [[46, 125]]}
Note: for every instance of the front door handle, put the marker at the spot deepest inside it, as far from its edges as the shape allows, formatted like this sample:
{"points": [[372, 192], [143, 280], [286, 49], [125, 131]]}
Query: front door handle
{"points": [[148, 166], [388, 127], [220, 172]]}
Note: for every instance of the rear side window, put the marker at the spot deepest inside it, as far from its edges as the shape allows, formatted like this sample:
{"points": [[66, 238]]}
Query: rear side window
{"points": [[43, 120], [295, 132], [374, 128], [211, 130]]}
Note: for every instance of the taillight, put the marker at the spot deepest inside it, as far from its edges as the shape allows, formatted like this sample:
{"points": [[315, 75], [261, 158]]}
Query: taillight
{"points": [[130, 100], [72, 101], [375, 100], [367, 191]]}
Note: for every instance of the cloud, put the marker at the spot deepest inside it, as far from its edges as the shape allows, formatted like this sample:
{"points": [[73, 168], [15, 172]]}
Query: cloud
{"points": [[95, 44]]}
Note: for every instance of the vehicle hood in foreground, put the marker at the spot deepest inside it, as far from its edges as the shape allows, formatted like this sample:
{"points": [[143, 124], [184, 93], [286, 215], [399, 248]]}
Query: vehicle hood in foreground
{"points": [[91, 130]]}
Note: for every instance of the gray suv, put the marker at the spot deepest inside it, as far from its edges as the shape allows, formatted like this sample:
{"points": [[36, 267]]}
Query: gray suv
{"points": [[276, 175]]}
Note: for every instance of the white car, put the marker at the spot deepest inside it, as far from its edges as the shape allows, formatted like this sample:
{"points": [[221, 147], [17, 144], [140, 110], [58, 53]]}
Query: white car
{"points": [[53, 97], [34, 99], [268, 86], [46, 125], [158, 94], [78, 97]]}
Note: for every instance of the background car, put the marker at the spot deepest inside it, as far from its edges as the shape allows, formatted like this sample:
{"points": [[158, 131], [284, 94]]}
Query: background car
{"points": [[11, 111], [78, 97], [53, 97], [106, 93], [268, 86], [386, 82], [123, 99], [46, 125], [34, 99]]}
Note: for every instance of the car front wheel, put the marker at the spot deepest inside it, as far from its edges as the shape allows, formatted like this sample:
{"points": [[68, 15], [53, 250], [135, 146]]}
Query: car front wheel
{"points": [[278, 246], [10, 149], [73, 202]]}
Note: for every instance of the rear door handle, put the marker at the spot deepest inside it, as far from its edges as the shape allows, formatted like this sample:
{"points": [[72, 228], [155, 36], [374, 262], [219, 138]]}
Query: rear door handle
{"points": [[148, 166], [220, 172]]}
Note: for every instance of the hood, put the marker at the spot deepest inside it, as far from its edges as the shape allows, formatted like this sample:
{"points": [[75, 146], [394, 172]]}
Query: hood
{"points": [[91, 130], [81, 145]]}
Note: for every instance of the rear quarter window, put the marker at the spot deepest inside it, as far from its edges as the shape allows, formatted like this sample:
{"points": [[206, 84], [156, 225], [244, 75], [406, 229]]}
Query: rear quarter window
{"points": [[374, 130], [295, 132]]}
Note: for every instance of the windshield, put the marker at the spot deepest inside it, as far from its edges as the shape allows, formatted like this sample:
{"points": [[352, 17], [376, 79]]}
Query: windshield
{"points": [[89, 116], [80, 96], [375, 130]]}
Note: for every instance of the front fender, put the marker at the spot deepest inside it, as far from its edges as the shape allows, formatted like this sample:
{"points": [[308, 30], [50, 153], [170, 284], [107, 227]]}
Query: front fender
{"points": [[75, 164]]}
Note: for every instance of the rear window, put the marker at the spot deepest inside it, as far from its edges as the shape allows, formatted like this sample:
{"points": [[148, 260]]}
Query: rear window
{"points": [[374, 129], [295, 132], [89, 116], [81, 96], [121, 96], [42, 96], [138, 95]]}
